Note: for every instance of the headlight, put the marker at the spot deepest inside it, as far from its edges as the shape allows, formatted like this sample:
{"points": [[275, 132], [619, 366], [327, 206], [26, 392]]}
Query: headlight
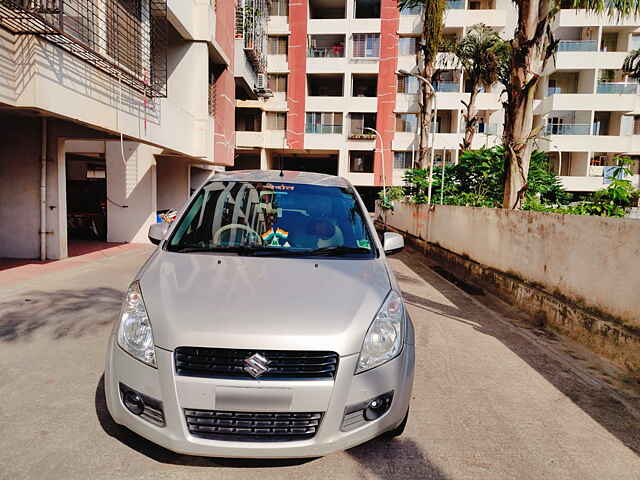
{"points": [[383, 341], [134, 332]]}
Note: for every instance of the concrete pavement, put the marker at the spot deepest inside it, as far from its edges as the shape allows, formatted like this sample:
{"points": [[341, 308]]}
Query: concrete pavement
{"points": [[492, 399]]}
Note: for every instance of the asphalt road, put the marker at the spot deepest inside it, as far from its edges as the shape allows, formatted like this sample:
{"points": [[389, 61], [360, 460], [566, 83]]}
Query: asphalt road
{"points": [[492, 399]]}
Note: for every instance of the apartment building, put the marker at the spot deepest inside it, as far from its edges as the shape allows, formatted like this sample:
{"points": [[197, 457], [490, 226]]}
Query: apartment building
{"points": [[333, 68], [110, 111]]}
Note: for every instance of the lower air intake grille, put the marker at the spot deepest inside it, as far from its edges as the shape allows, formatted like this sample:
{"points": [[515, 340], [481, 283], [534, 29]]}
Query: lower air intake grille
{"points": [[252, 426]]}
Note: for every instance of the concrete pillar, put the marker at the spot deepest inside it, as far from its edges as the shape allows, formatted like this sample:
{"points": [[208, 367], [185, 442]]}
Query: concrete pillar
{"points": [[19, 186], [131, 191], [57, 240], [173, 182]]}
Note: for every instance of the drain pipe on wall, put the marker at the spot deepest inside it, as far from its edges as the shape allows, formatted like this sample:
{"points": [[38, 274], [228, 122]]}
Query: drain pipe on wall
{"points": [[43, 192]]}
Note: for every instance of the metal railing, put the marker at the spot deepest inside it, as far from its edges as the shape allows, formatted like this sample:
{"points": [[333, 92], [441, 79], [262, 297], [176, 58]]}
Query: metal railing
{"points": [[323, 52], [127, 39], [454, 4], [568, 129], [577, 46], [251, 27], [446, 86], [623, 88], [322, 128]]}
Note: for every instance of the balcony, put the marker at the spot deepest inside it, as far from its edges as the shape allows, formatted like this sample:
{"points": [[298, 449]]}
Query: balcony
{"points": [[251, 27], [454, 4], [568, 129], [447, 86], [619, 88], [577, 46], [127, 43]]}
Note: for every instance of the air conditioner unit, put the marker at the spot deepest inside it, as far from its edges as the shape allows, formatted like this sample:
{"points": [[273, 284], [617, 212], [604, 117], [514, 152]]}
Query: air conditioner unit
{"points": [[261, 82]]}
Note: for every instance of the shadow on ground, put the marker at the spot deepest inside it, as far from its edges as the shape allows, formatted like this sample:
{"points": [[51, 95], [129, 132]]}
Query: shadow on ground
{"points": [[597, 400], [397, 459], [61, 313]]}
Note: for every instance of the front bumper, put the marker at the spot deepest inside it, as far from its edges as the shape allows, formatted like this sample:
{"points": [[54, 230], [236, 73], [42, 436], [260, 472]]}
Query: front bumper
{"points": [[331, 397]]}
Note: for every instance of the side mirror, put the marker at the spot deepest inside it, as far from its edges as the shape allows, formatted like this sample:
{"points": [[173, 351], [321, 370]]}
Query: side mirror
{"points": [[157, 231], [393, 243]]}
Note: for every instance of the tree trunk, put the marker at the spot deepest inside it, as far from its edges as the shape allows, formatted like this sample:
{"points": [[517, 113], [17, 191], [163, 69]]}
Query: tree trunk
{"points": [[426, 110], [532, 46], [471, 120]]}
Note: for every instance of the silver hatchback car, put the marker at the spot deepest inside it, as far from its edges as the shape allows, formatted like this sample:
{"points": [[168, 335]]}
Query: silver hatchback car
{"points": [[267, 324]]}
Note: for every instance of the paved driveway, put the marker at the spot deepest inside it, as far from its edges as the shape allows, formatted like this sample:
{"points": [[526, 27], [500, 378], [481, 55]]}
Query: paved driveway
{"points": [[491, 400]]}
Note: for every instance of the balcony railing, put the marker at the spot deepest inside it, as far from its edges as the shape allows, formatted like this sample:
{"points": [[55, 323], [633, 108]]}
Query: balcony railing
{"points": [[447, 86], [455, 4], [251, 26], [323, 128], [323, 52], [623, 88], [568, 129], [125, 39], [577, 46]]}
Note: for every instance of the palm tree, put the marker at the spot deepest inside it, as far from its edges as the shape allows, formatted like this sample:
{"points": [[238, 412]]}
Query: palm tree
{"points": [[532, 46], [481, 53], [631, 65], [426, 55]]}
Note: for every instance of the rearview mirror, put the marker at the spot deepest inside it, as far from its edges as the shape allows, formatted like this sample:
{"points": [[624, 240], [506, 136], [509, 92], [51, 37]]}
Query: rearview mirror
{"points": [[157, 231], [393, 243]]}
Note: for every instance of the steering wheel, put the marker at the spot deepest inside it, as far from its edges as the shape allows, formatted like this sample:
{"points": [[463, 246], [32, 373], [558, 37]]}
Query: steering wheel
{"points": [[237, 226]]}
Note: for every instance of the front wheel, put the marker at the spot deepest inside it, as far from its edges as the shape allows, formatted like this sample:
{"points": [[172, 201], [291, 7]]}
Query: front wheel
{"points": [[396, 432]]}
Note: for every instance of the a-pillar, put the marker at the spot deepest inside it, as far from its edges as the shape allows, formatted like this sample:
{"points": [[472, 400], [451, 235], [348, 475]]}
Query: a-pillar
{"points": [[131, 191]]}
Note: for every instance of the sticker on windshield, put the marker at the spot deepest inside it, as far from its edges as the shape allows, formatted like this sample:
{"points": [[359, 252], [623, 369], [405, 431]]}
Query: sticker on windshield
{"points": [[364, 244], [280, 233], [268, 235]]}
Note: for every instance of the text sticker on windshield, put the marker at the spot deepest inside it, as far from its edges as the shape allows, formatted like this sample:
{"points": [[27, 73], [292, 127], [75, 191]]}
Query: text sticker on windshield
{"points": [[363, 244]]}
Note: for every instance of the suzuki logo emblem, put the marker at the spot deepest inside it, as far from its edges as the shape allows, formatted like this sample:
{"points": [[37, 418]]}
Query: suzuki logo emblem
{"points": [[256, 365]]}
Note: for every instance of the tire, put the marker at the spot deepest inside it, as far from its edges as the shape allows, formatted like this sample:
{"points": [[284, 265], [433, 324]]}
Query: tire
{"points": [[399, 430]]}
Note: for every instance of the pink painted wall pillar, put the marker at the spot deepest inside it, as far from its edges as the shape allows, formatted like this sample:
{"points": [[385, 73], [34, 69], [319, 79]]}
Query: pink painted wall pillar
{"points": [[385, 121], [297, 58]]}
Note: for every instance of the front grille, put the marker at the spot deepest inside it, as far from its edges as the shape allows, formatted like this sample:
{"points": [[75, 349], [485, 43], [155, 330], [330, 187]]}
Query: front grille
{"points": [[281, 364], [252, 427]]}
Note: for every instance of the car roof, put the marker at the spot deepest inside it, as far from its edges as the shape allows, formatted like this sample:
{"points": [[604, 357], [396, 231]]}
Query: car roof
{"points": [[284, 176]]}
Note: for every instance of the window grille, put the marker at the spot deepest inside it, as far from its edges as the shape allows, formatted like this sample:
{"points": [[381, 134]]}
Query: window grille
{"points": [[126, 39]]}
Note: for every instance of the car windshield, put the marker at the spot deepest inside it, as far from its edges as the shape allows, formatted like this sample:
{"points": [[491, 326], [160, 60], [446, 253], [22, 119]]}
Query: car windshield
{"points": [[259, 218]]}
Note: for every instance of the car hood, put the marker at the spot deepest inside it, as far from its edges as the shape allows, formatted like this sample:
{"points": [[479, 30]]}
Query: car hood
{"points": [[278, 303]]}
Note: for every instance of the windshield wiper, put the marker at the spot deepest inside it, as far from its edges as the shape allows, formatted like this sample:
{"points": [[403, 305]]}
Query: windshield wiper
{"points": [[339, 250]]}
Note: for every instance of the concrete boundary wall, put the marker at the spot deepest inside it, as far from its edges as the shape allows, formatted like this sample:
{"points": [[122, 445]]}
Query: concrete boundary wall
{"points": [[580, 275]]}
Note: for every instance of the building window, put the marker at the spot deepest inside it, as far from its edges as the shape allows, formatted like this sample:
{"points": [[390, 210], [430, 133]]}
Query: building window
{"points": [[407, 122], [319, 85], [279, 8], [277, 45], [360, 123], [277, 82], [402, 160], [408, 84], [323, 122], [125, 48], [636, 125], [366, 45], [367, 8], [364, 85], [407, 45], [276, 121], [248, 120], [361, 161]]}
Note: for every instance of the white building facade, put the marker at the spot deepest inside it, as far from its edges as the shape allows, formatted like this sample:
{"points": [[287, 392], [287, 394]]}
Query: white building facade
{"points": [[108, 114], [332, 66]]}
